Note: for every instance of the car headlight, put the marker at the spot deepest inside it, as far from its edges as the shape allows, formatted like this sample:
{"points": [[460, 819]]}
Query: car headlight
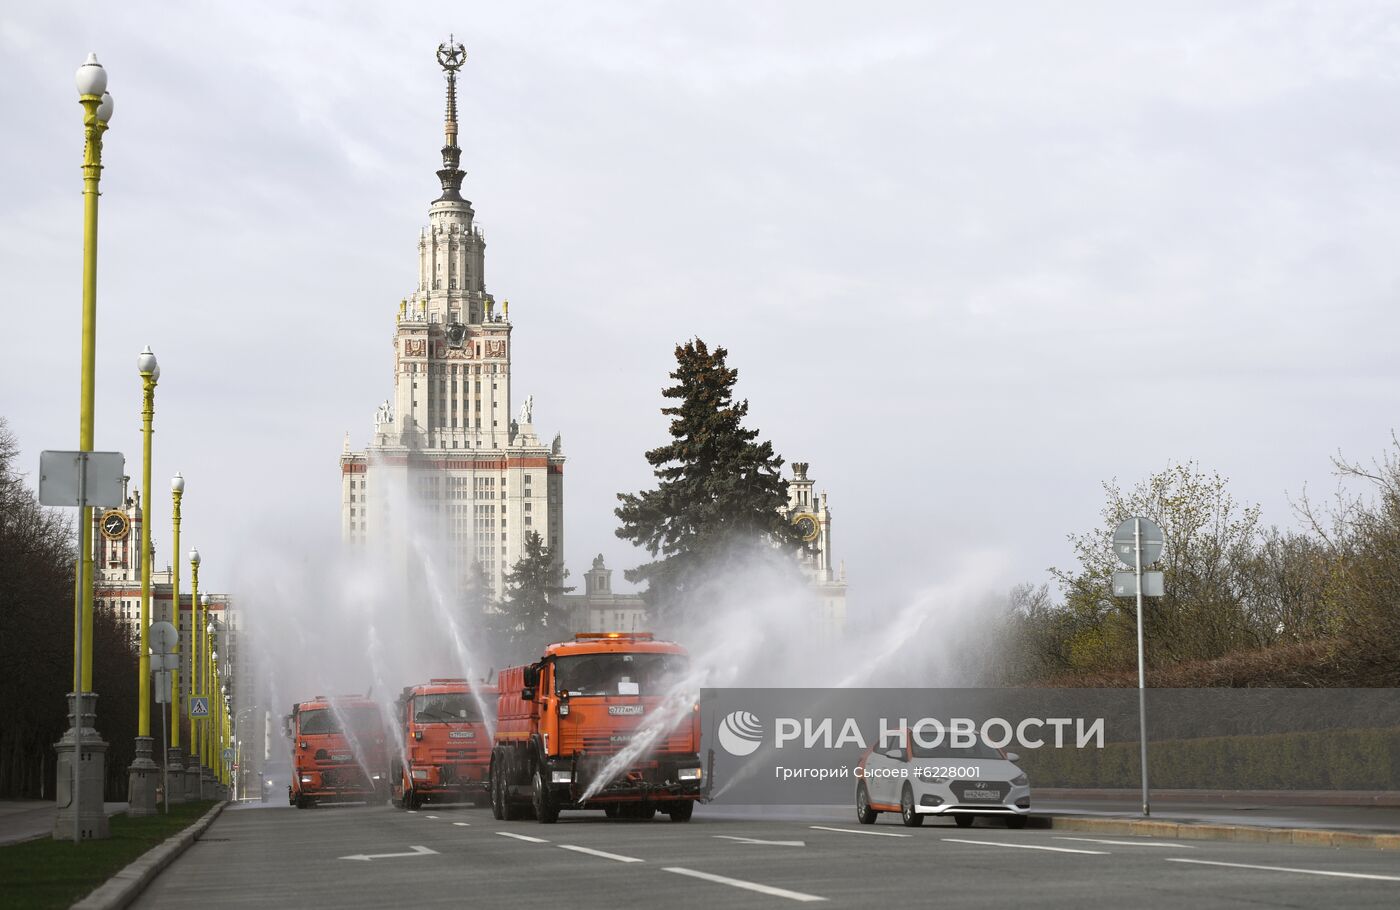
{"points": [[420, 773], [688, 774], [562, 777], [1020, 780]]}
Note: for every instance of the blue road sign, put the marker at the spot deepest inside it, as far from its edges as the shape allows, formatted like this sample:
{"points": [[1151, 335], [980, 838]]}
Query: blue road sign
{"points": [[199, 706]]}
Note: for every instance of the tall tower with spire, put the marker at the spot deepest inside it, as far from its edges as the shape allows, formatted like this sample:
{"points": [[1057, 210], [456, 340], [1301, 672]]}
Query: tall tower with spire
{"points": [[453, 480]]}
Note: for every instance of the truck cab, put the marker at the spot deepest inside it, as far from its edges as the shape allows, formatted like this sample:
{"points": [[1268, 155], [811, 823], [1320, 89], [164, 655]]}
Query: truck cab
{"points": [[445, 727], [339, 751], [598, 723]]}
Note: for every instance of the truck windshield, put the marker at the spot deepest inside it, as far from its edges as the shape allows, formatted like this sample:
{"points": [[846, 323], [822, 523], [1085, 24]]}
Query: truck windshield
{"points": [[617, 673], [447, 707], [363, 719]]}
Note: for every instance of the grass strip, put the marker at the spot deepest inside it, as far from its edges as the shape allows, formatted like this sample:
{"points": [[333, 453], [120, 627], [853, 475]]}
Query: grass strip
{"points": [[51, 873]]}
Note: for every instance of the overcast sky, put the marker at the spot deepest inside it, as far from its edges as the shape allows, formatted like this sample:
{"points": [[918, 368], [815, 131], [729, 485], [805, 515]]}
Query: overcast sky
{"points": [[969, 262]]}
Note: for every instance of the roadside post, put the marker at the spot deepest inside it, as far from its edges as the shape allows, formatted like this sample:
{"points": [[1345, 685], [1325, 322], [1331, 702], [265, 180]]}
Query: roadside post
{"points": [[81, 480], [1138, 542]]}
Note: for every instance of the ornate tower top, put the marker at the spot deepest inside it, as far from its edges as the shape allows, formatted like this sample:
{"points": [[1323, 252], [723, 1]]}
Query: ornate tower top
{"points": [[450, 57]]}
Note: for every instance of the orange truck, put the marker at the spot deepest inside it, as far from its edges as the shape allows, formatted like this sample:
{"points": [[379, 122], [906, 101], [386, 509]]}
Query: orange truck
{"points": [[563, 719], [339, 751], [446, 732]]}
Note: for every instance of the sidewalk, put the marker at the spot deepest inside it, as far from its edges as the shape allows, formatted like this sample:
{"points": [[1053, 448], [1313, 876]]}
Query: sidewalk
{"points": [[27, 819]]}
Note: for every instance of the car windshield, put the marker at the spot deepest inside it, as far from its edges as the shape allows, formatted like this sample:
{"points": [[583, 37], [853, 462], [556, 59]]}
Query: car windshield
{"points": [[362, 718], [448, 707], [978, 749], [619, 673]]}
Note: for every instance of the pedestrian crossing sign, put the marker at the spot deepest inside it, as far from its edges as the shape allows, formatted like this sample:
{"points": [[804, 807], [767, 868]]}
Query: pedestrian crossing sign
{"points": [[199, 706]]}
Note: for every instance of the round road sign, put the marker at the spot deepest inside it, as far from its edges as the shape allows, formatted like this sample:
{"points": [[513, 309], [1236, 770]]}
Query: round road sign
{"points": [[1125, 542], [162, 637]]}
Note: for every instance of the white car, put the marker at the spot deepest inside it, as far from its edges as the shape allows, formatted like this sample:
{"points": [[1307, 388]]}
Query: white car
{"points": [[963, 782]]}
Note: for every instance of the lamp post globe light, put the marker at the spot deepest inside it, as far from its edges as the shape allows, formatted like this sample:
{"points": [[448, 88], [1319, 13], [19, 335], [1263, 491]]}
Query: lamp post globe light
{"points": [[142, 774], [81, 753], [179, 789]]}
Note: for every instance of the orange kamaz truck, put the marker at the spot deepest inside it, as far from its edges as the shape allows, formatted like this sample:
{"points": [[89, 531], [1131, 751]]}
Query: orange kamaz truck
{"points": [[445, 728], [596, 723], [339, 751]]}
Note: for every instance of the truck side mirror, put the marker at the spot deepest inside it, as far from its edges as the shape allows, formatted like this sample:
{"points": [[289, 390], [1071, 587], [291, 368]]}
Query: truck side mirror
{"points": [[532, 676], [528, 693]]}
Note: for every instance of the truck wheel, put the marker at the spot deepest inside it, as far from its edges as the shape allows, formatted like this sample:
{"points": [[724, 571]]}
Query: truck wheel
{"points": [[681, 810], [864, 814], [546, 810], [907, 814], [610, 810], [498, 801]]}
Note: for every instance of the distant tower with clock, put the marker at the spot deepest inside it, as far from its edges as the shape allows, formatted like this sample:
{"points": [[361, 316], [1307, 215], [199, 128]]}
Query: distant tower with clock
{"points": [[116, 560], [452, 477], [810, 514]]}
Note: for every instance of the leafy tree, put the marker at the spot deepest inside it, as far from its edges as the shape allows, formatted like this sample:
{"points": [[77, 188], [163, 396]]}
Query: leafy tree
{"points": [[1361, 534], [720, 490], [532, 612], [37, 555], [1209, 538]]}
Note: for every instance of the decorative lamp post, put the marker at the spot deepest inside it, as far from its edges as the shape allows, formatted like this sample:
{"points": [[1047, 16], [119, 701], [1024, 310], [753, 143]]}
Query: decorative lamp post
{"points": [[82, 754], [178, 791], [141, 781], [196, 673]]}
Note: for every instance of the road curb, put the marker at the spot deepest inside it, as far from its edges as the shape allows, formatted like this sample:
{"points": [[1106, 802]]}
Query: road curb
{"points": [[121, 889], [1311, 837], [1383, 798]]}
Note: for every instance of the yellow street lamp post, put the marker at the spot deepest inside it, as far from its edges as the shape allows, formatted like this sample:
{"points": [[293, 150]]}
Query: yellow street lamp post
{"points": [[211, 687], [142, 775], [178, 791], [82, 817], [196, 674]]}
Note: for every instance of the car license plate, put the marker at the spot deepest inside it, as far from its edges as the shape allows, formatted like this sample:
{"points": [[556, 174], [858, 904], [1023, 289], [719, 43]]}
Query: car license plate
{"points": [[462, 734], [341, 756], [627, 710], [984, 795]]}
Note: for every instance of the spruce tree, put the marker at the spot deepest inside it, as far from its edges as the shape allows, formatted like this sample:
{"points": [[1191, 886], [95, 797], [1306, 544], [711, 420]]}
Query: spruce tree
{"points": [[720, 490], [532, 612]]}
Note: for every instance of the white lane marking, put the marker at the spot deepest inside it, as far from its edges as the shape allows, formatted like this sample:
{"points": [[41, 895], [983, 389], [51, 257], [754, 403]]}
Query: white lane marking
{"points": [[604, 854], [412, 811], [463, 824], [417, 851], [430, 816], [525, 837], [1370, 875], [747, 886], [858, 831], [994, 843], [1128, 843], [768, 843]]}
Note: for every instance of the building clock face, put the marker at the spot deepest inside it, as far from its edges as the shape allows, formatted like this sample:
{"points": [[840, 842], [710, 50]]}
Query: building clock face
{"points": [[114, 524], [807, 526]]}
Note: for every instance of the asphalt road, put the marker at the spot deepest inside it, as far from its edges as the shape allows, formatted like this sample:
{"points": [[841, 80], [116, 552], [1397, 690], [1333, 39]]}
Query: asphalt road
{"points": [[278, 856]]}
